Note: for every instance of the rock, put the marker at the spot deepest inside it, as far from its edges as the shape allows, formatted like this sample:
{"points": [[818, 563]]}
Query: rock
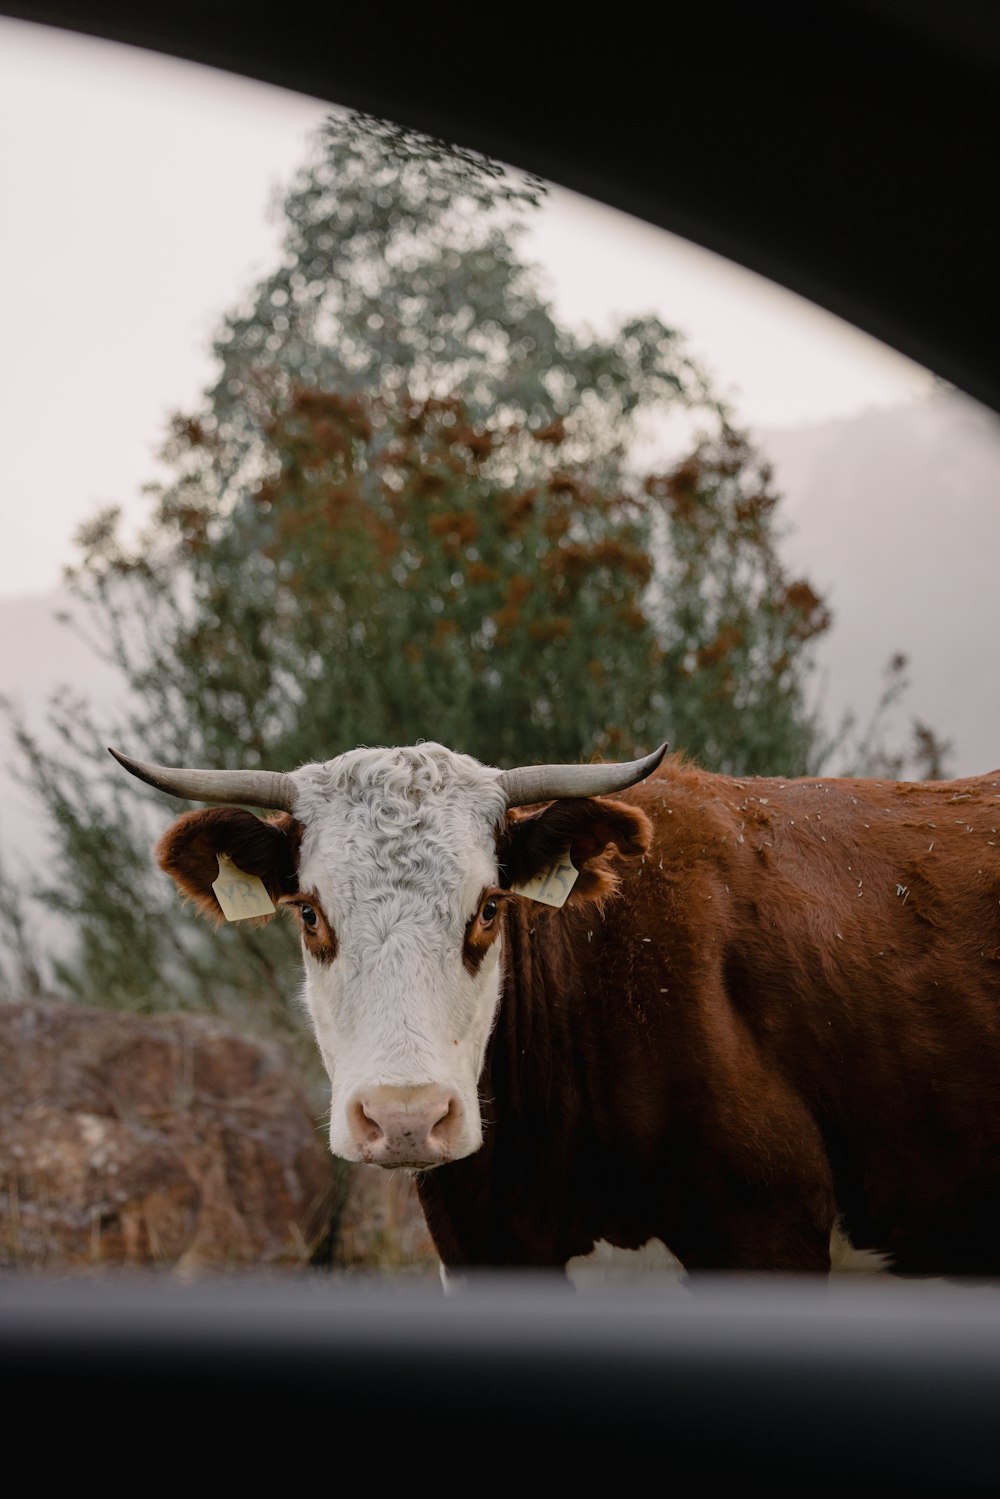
{"points": [[381, 1226], [167, 1141]]}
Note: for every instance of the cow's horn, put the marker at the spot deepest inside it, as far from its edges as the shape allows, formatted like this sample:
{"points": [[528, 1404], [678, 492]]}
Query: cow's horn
{"points": [[544, 783], [251, 788]]}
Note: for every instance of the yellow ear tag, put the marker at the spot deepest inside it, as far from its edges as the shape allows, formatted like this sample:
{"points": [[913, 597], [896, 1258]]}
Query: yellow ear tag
{"points": [[552, 885], [240, 895]]}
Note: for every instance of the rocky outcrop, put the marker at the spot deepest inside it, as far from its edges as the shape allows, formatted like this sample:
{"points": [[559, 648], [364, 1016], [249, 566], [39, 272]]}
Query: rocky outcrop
{"points": [[165, 1141], [381, 1228]]}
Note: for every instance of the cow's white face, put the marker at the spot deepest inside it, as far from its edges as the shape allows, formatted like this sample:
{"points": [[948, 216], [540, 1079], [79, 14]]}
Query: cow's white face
{"points": [[400, 927], [388, 860]]}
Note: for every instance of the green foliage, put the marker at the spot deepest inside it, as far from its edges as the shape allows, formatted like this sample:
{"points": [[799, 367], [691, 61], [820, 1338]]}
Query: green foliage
{"points": [[408, 509], [733, 628], [402, 275]]}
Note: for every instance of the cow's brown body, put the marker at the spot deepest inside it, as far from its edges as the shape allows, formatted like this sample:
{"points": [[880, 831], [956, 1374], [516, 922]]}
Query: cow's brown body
{"points": [[769, 1011], [790, 1014]]}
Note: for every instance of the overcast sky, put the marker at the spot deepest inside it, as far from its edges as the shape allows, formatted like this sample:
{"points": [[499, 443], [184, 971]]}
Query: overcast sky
{"points": [[135, 196]]}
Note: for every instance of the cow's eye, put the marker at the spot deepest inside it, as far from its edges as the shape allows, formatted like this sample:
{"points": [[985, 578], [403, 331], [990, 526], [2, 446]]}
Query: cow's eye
{"points": [[488, 911], [309, 917]]}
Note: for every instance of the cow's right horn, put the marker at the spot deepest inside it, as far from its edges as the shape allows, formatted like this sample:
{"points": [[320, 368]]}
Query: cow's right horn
{"points": [[251, 788], [544, 783]]}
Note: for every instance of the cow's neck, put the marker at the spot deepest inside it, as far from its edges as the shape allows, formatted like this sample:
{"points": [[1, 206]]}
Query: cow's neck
{"points": [[541, 1106], [543, 1010]]}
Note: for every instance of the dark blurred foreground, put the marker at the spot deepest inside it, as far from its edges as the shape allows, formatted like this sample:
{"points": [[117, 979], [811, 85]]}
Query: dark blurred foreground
{"points": [[791, 1384]]}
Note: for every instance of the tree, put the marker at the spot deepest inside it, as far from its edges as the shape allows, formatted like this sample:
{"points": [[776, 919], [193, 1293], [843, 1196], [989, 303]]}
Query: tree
{"points": [[408, 507]]}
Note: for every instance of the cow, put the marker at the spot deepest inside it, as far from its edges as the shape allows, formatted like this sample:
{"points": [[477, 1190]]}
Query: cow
{"points": [[640, 1002]]}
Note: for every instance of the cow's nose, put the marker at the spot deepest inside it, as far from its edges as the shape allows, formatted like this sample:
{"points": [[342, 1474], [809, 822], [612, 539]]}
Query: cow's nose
{"points": [[415, 1126]]}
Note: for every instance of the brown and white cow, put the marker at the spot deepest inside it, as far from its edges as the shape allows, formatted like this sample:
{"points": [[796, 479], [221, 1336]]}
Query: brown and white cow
{"points": [[767, 1007]]}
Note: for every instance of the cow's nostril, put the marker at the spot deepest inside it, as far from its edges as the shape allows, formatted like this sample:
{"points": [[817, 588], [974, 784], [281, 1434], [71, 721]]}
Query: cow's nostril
{"points": [[443, 1125], [366, 1128]]}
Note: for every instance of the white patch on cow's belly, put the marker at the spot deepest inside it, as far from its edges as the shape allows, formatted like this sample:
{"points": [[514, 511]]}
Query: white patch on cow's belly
{"points": [[846, 1260], [606, 1263]]}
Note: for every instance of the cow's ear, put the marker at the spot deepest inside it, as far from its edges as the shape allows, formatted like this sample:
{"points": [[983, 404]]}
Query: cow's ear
{"points": [[597, 831], [189, 852]]}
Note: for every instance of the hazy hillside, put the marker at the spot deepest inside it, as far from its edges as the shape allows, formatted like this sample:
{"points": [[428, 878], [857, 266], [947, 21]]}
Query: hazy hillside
{"points": [[895, 516]]}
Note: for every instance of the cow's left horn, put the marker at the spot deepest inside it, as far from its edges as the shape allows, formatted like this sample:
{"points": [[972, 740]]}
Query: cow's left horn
{"points": [[544, 783], [251, 788]]}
